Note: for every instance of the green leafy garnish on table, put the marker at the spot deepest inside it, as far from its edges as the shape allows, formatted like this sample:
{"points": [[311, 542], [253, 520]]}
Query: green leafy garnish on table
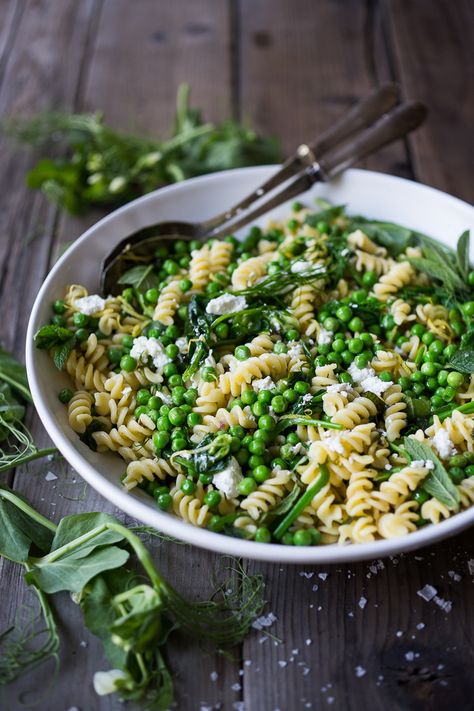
{"points": [[133, 614], [108, 168]]}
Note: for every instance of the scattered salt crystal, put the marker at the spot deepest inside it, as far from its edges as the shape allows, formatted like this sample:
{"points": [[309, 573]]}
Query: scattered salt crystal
{"points": [[214, 676], [360, 671], [238, 706], [306, 671], [445, 605], [50, 476], [399, 633], [295, 651], [264, 621], [262, 639], [454, 576], [420, 626], [247, 663], [427, 592], [83, 643], [350, 614], [362, 602], [330, 699], [308, 576], [315, 587], [236, 686], [323, 576], [282, 663], [410, 656], [308, 642]]}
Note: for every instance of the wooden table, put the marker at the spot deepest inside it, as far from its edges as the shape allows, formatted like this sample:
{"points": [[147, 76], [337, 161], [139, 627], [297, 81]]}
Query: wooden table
{"points": [[353, 637]]}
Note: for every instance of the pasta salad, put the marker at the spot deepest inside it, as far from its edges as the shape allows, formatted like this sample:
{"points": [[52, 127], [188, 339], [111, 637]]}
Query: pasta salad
{"points": [[310, 384]]}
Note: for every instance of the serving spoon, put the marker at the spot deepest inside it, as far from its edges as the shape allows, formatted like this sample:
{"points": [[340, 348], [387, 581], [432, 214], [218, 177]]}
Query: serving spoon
{"points": [[370, 127]]}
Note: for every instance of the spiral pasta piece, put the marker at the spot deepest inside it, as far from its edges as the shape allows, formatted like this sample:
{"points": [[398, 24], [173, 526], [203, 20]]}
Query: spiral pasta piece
{"points": [[80, 411], [399, 275], [168, 302], [251, 270], [267, 494], [149, 469]]}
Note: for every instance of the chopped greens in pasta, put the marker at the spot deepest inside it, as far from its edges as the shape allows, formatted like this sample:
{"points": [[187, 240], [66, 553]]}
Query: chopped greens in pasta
{"points": [[276, 388]]}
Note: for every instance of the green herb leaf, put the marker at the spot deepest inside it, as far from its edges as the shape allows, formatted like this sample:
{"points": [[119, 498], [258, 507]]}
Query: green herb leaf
{"points": [[463, 360], [141, 277], [438, 482], [61, 353], [326, 215], [50, 336], [73, 571], [14, 373], [76, 525], [19, 531], [462, 254], [390, 235], [140, 626]]}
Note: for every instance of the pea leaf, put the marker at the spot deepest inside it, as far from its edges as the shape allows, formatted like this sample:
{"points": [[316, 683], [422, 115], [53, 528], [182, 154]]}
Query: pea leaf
{"points": [[18, 532], [438, 482], [71, 527], [463, 360], [142, 277], [462, 254], [72, 572], [141, 624], [50, 336], [14, 373]]}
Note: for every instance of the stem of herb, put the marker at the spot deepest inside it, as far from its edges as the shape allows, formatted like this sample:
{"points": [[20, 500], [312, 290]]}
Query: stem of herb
{"points": [[29, 458], [28, 510], [321, 480]]}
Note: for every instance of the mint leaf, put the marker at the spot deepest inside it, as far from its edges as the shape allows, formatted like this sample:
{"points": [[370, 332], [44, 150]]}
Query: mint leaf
{"points": [[462, 254], [50, 336], [141, 278], [325, 215], [438, 482], [61, 353]]}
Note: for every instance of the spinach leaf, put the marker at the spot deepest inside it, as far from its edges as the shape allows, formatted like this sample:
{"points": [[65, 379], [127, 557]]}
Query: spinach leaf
{"points": [[438, 482], [141, 277], [463, 360], [73, 571], [198, 332], [14, 373], [462, 254], [50, 336]]}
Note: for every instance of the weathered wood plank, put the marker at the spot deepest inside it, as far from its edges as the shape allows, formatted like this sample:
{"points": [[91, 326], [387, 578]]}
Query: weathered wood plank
{"points": [[432, 54]]}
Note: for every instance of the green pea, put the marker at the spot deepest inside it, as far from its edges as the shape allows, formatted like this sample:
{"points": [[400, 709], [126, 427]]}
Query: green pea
{"points": [[457, 474], [301, 387], [468, 308], [172, 351], [324, 349], [338, 345], [262, 436], [59, 306], [208, 374], [257, 447], [255, 461], [169, 370], [163, 423], [458, 328], [236, 403], [334, 358], [362, 360], [212, 499], [315, 536], [193, 419], [127, 363], [469, 470], [247, 485], [356, 345], [151, 295], [449, 351], [127, 295], [188, 487], [432, 383], [80, 320], [164, 501], [455, 379], [266, 422], [345, 378], [65, 395], [143, 396], [470, 278], [279, 404], [457, 460], [114, 354], [154, 402], [449, 393], [160, 439], [190, 396], [249, 397], [428, 369], [177, 395], [404, 382], [178, 443], [265, 396], [344, 313], [356, 324], [261, 473], [222, 331], [287, 539], [175, 380], [436, 402], [292, 334], [242, 457], [428, 338], [260, 408], [280, 347], [369, 279], [302, 538], [185, 285], [417, 330], [263, 535], [176, 416], [139, 411], [418, 388], [58, 320]]}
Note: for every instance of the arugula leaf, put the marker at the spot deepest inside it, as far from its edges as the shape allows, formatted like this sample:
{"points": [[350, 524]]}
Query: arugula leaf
{"points": [[72, 572], [141, 277], [463, 360], [50, 336], [438, 482], [462, 254]]}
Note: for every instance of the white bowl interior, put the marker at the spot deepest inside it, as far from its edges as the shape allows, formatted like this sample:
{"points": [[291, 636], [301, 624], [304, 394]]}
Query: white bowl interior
{"points": [[364, 192]]}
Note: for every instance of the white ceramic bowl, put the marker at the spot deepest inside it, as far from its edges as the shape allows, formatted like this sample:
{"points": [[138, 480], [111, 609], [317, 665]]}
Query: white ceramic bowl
{"points": [[371, 194]]}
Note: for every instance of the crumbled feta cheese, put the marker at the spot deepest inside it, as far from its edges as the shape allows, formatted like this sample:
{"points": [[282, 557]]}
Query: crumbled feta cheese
{"points": [[368, 380], [210, 361], [90, 305], [443, 444], [228, 479], [298, 449], [263, 384], [144, 348], [340, 388], [182, 344], [307, 398], [360, 374], [105, 682], [300, 266], [422, 464], [410, 656], [226, 304], [332, 442], [295, 349], [324, 336]]}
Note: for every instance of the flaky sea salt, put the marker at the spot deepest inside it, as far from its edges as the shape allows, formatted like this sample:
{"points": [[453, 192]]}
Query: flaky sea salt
{"points": [[427, 592], [264, 621], [362, 602], [50, 476], [360, 671]]}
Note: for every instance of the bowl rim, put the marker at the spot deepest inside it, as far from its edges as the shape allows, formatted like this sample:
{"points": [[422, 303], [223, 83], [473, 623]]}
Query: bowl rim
{"points": [[171, 525]]}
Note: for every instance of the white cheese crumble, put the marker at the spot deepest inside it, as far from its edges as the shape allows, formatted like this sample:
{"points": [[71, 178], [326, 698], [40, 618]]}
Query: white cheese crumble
{"points": [[295, 349], [443, 444], [226, 304], [340, 388], [324, 337], [307, 398], [144, 348], [422, 464], [210, 361], [298, 448], [90, 305], [263, 384], [182, 344], [228, 479], [367, 380], [333, 443], [300, 266]]}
